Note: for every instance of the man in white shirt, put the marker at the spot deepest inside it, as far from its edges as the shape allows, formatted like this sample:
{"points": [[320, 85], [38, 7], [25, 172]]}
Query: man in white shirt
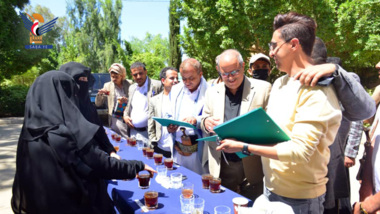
{"points": [[136, 115], [187, 100], [159, 105]]}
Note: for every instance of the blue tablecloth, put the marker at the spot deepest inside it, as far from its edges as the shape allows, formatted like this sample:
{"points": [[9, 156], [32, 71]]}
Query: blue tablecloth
{"points": [[124, 193]]}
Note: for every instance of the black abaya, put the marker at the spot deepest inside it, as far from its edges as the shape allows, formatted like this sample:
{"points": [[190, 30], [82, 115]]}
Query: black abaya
{"points": [[59, 168]]}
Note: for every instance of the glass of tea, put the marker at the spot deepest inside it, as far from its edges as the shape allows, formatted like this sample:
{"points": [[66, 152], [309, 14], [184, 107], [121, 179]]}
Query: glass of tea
{"points": [[144, 150], [118, 138], [206, 180], [144, 179], [151, 199], [149, 153], [187, 189], [132, 141], [116, 148], [215, 185], [157, 159], [169, 163]]}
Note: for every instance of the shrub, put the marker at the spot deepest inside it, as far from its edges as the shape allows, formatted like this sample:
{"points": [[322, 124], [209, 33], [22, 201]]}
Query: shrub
{"points": [[12, 100]]}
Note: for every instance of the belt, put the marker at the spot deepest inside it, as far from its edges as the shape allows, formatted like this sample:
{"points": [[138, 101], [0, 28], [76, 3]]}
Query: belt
{"points": [[143, 129]]}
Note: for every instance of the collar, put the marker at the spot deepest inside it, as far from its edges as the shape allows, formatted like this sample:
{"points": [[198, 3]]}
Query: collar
{"points": [[143, 89]]}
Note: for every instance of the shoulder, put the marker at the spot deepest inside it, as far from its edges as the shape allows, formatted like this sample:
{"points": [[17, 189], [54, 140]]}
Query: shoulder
{"points": [[260, 84], [176, 89], [127, 83], [155, 83]]}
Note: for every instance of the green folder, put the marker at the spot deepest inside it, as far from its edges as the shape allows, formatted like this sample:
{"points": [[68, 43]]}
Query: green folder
{"points": [[254, 127], [167, 122]]}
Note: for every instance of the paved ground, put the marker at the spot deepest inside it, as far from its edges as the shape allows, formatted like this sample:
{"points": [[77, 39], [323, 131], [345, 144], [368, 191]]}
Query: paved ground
{"points": [[9, 132]]}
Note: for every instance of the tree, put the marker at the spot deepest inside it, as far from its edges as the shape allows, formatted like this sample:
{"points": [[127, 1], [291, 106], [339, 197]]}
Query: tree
{"points": [[174, 40], [94, 34], [153, 51]]}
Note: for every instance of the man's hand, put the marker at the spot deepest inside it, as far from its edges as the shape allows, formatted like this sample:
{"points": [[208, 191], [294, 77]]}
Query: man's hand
{"points": [[123, 99], [104, 91], [310, 75], [172, 128], [230, 146], [211, 122], [128, 121], [349, 162], [190, 120]]}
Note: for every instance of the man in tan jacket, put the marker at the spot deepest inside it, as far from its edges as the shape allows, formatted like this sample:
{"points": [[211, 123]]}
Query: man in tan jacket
{"points": [[116, 93], [237, 95]]}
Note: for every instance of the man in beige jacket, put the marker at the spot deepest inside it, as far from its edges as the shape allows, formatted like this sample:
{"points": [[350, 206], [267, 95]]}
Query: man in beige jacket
{"points": [[237, 95], [115, 92]]}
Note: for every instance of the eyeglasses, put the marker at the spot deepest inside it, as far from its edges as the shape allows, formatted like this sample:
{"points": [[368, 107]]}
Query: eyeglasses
{"points": [[273, 45], [232, 73]]}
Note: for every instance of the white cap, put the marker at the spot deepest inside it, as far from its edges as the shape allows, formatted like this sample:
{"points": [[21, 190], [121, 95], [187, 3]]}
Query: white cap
{"points": [[258, 56]]}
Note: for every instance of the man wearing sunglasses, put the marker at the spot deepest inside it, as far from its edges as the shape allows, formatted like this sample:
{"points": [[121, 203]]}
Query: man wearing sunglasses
{"points": [[235, 96], [136, 115]]}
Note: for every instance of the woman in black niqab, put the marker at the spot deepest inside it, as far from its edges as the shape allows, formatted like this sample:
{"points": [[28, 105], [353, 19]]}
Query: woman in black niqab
{"points": [[76, 71], [59, 168]]}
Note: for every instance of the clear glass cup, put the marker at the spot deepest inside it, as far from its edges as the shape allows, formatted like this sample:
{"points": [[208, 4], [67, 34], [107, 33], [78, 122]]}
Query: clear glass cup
{"points": [[161, 171], [144, 179], [176, 180], [221, 209], [199, 205], [151, 199], [215, 185], [140, 144], [157, 159], [187, 189], [169, 163], [187, 204]]}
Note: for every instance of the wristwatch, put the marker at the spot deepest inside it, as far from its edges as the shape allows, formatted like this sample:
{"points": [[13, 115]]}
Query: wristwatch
{"points": [[245, 150], [362, 210]]}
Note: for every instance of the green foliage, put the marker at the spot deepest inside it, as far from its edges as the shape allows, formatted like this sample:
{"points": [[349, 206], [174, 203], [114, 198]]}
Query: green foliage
{"points": [[93, 34], [153, 51], [12, 100], [358, 33], [350, 29]]}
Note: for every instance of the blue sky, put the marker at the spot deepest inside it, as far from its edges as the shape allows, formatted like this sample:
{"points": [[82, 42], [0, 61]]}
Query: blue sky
{"points": [[137, 17]]}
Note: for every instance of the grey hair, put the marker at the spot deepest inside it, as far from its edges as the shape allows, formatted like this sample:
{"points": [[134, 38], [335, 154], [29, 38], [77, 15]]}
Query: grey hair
{"points": [[235, 52]]}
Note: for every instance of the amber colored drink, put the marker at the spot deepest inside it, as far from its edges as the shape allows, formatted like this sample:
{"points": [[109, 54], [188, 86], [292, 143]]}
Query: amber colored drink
{"points": [[144, 181], [118, 138], [144, 150], [168, 162], [149, 153], [113, 136], [206, 180], [132, 142], [187, 193], [116, 148], [157, 159], [151, 199], [215, 185], [107, 93]]}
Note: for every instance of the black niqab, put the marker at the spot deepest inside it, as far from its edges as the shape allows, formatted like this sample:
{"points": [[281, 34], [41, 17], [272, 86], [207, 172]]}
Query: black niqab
{"points": [[77, 70]]}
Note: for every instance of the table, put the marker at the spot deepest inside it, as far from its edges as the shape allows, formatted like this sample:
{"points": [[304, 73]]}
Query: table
{"points": [[123, 193]]}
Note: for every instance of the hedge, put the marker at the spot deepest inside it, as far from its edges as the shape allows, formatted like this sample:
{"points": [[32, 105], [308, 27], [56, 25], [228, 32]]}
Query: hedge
{"points": [[12, 100]]}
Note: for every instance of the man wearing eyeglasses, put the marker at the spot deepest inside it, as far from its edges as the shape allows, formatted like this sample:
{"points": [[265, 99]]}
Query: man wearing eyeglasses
{"points": [[235, 96], [187, 100], [136, 115], [295, 170]]}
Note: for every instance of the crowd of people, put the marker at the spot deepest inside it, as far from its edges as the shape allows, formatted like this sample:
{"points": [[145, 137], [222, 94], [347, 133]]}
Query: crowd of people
{"points": [[64, 155]]}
